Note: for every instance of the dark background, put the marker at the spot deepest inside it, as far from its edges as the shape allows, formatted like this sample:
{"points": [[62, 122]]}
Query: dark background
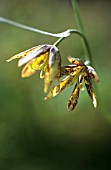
{"points": [[41, 135]]}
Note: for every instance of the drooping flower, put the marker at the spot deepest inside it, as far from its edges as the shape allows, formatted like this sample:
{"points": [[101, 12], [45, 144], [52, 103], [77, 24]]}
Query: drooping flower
{"points": [[77, 72], [43, 57]]}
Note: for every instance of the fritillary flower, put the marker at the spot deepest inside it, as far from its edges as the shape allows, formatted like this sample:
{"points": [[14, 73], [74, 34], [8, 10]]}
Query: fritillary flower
{"points": [[76, 73], [43, 57]]}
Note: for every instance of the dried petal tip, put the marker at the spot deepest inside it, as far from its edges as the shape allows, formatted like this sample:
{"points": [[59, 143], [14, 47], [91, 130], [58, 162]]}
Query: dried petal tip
{"points": [[94, 101], [45, 98], [70, 106], [8, 60], [93, 73], [12, 58]]}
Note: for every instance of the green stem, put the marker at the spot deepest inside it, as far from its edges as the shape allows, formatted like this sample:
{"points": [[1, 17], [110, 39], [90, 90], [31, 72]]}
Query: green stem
{"points": [[77, 15], [61, 36], [87, 51], [73, 31], [16, 24]]}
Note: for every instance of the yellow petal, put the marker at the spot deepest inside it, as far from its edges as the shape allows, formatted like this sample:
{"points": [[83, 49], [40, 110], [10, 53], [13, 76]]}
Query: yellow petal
{"points": [[72, 70], [75, 61], [38, 51], [54, 63], [40, 61], [90, 90], [52, 70], [27, 70], [53, 92], [72, 102], [68, 81], [22, 54], [47, 81]]}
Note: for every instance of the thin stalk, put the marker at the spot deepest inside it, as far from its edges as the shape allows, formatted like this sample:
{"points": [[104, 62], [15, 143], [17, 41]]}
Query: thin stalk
{"points": [[87, 51], [61, 36], [77, 15], [16, 24], [73, 31]]}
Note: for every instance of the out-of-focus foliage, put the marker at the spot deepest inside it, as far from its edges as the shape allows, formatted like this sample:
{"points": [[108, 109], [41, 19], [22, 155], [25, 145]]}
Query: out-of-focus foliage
{"points": [[38, 134]]}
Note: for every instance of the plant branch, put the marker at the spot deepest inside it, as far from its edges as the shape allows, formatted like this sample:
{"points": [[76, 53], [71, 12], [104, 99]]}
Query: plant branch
{"points": [[86, 47], [61, 36], [73, 31], [16, 24]]}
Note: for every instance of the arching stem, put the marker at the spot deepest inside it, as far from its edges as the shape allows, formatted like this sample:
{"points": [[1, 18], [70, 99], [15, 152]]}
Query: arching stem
{"points": [[85, 45], [73, 31], [61, 36]]}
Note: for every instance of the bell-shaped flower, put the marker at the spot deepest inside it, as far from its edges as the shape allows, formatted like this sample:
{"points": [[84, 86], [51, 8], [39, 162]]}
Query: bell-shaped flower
{"points": [[43, 57], [77, 72]]}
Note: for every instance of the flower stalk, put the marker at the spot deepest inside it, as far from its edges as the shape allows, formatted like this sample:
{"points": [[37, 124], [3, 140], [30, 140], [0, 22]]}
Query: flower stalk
{"points": [[61, 36], [86, 47]]}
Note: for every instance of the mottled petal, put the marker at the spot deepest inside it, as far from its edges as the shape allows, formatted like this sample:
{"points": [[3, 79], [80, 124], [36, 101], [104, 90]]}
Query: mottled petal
{"points": [[76, 61], [54, 91], [35, 53], [93, 73], [67, 70], [52, 71], [22, 54], [90, 90], [72, 70], [54, 63], [40, 61], [72, 102], [47, 80], [27, 70], [68, 81]]}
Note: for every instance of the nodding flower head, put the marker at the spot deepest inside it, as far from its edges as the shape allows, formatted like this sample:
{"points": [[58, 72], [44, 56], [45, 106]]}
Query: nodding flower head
{"points": [[43, 57], [76, 72]]}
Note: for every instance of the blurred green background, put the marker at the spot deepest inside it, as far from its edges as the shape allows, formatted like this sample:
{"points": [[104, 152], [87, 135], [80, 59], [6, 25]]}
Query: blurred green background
{"points": [[41, 135]]}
